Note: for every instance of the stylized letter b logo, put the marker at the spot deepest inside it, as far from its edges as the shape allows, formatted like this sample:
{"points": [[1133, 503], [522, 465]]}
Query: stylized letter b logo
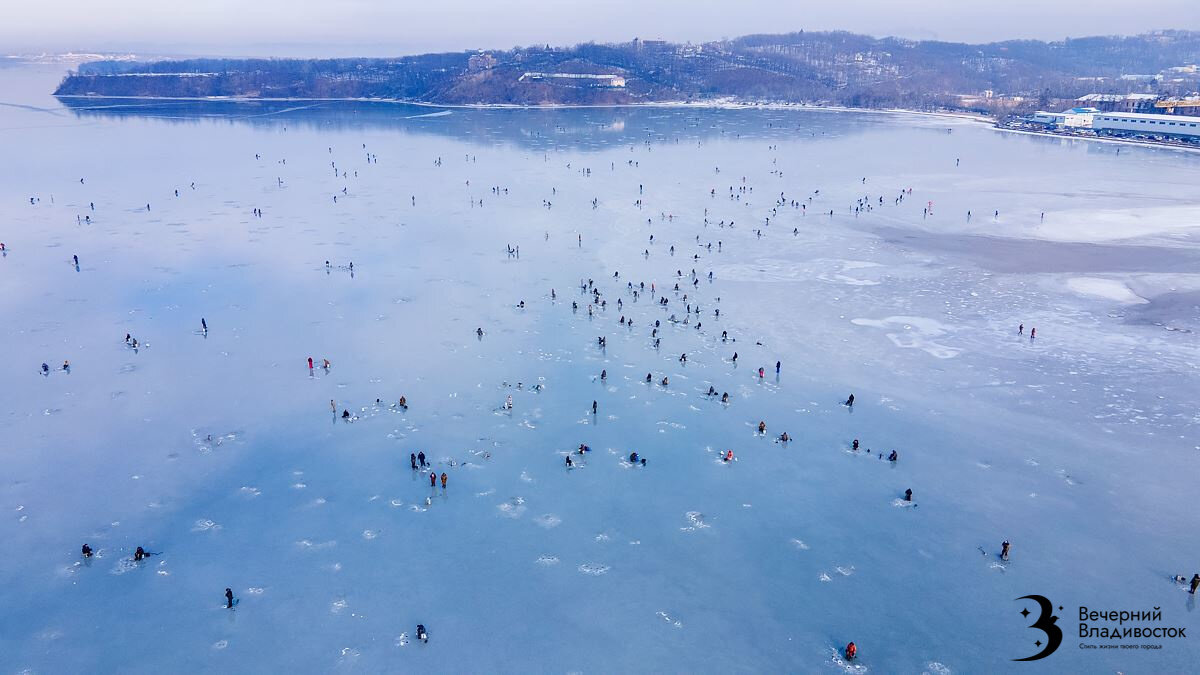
{"points": [[1044, 623]]}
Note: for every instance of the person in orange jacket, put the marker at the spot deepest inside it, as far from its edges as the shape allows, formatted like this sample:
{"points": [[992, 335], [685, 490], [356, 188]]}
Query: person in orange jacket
{"points": [[443, 480], [851, 651]]}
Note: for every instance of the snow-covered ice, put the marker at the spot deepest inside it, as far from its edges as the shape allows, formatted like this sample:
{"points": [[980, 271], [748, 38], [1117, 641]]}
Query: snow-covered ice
{"points": [[228, 459]]}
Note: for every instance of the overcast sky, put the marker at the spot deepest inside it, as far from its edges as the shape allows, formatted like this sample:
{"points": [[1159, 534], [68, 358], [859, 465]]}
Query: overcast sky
{"points": [[381, 27]]}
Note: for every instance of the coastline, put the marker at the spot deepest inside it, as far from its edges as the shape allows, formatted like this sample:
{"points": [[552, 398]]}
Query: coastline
{"points": [[1101, 139], [711, 104]]}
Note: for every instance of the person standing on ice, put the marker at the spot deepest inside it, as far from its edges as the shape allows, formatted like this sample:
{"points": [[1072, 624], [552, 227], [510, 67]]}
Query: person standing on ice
{"points": [[229, 598], [1195, 583], [850, 401], [421, 458], [443, 480], [432, 479], [412, 459], [1004, 548], [203, 325]]}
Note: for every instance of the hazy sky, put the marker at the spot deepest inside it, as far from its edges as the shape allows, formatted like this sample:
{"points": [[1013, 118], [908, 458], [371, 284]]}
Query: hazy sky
{"points": [[375, 27]]}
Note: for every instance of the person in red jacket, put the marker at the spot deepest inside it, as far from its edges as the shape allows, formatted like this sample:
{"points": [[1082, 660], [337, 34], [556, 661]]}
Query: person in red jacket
{"points": [[851, 651]]}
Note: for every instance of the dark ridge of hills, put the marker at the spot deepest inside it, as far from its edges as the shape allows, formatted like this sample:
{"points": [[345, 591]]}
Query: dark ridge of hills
{"points": [[832, 68]]}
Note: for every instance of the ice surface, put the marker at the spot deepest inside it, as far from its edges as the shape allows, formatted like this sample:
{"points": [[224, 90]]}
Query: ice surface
{"points": [[221, 455], [1109, 289]]}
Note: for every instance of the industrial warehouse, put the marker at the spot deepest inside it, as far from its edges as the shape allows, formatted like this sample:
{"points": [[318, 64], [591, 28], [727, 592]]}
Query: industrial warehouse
{"points": [[1093, 121], [1143, 123]]}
